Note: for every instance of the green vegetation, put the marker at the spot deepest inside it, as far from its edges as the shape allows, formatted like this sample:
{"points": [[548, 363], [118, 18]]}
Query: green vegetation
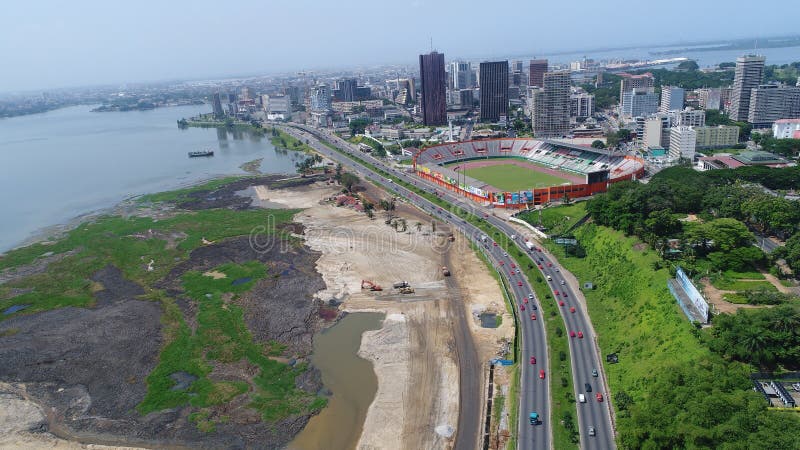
{"points": [[513, 178], [180, 195], [557, 220], [742, 285], [377, 148], [222, 337], [286, 141], [669, 390], [690, 79], [785, 147]]}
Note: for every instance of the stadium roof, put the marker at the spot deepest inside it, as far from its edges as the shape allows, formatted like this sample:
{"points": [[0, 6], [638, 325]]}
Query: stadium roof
{"points": [[756, 158], [587, 148]]}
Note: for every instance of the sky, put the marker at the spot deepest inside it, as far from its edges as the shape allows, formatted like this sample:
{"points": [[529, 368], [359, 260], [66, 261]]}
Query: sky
{"points": [[47, 44]]}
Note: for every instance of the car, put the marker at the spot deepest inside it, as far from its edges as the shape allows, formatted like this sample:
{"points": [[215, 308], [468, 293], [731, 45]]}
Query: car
{"points": [[522, 307], [581, 398], [533, 360], [572, 309], [588, 387], [594, 373], [533, 307], [511, 272], [599, 397], [541, 374], [519, 271], [502, 263], [494, 243], [561, 303], [549, 264], [557, 269], [540, 266], [533, 316], [533, 418], [530, 296], [572, 334], [565, 294], [591, 431], [580, 334], [556, 292], [563, 282], [525, 300], [505, 254], [513, 266], [541, 259]]}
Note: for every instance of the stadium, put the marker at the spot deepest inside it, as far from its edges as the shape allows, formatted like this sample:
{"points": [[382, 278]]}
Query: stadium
{"points": [[518, 173]]}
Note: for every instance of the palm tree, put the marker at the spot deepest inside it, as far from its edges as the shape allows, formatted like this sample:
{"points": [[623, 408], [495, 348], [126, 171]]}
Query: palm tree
{"points": [[419, 226]]}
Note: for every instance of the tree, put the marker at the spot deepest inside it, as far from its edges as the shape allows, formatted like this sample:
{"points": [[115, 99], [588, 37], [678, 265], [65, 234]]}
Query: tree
{"points": [[338, 173], [349, 181], [689, 65], [598, 144]]}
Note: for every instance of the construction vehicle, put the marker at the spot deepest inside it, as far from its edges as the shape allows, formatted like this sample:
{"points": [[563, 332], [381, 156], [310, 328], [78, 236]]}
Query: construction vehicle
{"points": [[407, 290], [451, 237], [366, 284], [445, 271], [400, 284]]}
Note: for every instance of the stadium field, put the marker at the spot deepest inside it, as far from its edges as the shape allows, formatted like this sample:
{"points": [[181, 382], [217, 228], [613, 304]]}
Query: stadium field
{"points": [[511, 175]]}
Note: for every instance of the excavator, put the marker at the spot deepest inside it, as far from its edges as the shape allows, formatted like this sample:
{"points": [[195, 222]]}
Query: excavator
{"points": [[366, 284]]}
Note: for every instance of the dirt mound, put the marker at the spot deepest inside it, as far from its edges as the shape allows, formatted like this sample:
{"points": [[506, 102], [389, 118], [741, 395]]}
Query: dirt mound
{"points": [[226, 196]]}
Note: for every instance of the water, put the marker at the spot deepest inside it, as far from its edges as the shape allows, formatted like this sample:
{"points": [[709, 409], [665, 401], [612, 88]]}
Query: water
{"points": [[64, 163], [14, 309], [350, 378]]}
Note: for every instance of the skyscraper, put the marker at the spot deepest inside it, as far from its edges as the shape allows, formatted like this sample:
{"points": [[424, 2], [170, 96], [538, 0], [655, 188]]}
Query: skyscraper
{"points": [[321, 98], [672, 98], [551, 105], [216, 105], [434, 88], [748, 75], [460, 75], [345, 90], [494, 90], [771, 102], [630, 82], [537, 69]]}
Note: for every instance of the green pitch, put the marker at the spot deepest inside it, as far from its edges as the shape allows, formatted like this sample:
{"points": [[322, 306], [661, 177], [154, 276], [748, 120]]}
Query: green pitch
{"points": [[512, 178]]}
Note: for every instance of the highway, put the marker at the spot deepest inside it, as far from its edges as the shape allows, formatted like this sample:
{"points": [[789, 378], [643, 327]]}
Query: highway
{"points": [[535, 391]]}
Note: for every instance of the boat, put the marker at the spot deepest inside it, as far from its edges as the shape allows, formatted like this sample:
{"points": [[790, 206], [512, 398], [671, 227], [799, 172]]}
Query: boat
{"points": [[202, 153]]}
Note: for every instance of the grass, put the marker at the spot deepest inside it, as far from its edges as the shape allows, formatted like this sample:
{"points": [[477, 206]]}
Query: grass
{"points": [[728, 284], [284, 140], [513, 178], [183, 194], [738, 299], [750, 275], [557, 219]]}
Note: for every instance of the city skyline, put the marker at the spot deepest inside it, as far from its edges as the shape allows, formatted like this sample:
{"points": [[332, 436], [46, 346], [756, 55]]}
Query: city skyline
{"points": [[54, 48]]}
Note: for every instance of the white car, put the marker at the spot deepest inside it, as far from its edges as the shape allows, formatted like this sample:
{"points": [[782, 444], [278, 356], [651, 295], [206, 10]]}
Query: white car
{"points": [[581, 398]]}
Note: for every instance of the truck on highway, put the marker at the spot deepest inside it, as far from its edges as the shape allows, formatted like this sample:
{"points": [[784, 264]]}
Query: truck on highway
{"points": [[530, 245]]}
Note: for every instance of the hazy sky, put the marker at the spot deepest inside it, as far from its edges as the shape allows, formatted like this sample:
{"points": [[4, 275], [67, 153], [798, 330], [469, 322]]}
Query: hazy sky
{"points": [[45, 44]]}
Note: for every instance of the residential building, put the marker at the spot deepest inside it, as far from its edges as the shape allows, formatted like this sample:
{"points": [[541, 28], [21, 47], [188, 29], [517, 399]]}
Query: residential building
{"points": [[630, 82], [434, 88], [460, 75], [722, 136], [657, 130], [278, 107], [350, 107], [689, 117], [672, 98], [771, 102], [551, 105], [536, 70], [682, 143], [748, 75], [494, 90], [581, 105], [639, 102], [786, 129], [321, 98]]}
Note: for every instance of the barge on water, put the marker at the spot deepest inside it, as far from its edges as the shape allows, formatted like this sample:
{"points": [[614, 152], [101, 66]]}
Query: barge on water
{"points": [[201, 153]]}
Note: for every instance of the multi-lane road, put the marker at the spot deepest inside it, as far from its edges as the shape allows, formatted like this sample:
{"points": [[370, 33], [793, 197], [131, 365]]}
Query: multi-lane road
{"points": [[534, 390]]}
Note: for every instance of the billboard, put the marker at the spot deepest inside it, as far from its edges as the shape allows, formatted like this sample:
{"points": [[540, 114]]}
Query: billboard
{"points": [[694, 295]]}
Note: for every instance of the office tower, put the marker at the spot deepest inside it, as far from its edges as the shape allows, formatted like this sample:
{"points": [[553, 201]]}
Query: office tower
{"points": [[639, 102], [232, 98], [517, 74], [345, 90], [771, 102], [748, 75], [460, 75], [363, 93], [710, 98], [551, 105], [656, 131], [321, 98], [630, 82], [466, 98], [682, 143], [581, 105], [537, 68], [672, 98], [434, 88], [216, 105], [494, 90]]}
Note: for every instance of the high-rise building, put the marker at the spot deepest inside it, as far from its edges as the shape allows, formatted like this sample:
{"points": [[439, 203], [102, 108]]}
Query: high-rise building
{"points": [[672, 98], [494, 90], [630, 82], [748, 75], [537, 68], [345, 90], [682, 143], [786, 129], [216, 105], [581, 105], [551, 105], [460, 75], [434, 88], [656, 131], [639, 102], [771, 102], [245, 94], [710, 98], [321, 98], [517, 77], [689, 117]]}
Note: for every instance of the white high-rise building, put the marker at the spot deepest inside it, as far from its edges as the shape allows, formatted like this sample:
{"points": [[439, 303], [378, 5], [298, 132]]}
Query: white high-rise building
{"points": [[682, 143], [672, 98], [786, 129], [461, 75], [581, 105], [639, 102], [689, 117], [748, 75]]}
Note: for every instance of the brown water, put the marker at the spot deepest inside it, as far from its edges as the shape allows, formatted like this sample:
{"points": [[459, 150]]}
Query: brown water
{"points": [[351, 379]]}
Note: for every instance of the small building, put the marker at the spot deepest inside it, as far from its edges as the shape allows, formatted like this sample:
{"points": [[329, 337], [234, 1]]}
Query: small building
{"points": [[786, 129]]}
